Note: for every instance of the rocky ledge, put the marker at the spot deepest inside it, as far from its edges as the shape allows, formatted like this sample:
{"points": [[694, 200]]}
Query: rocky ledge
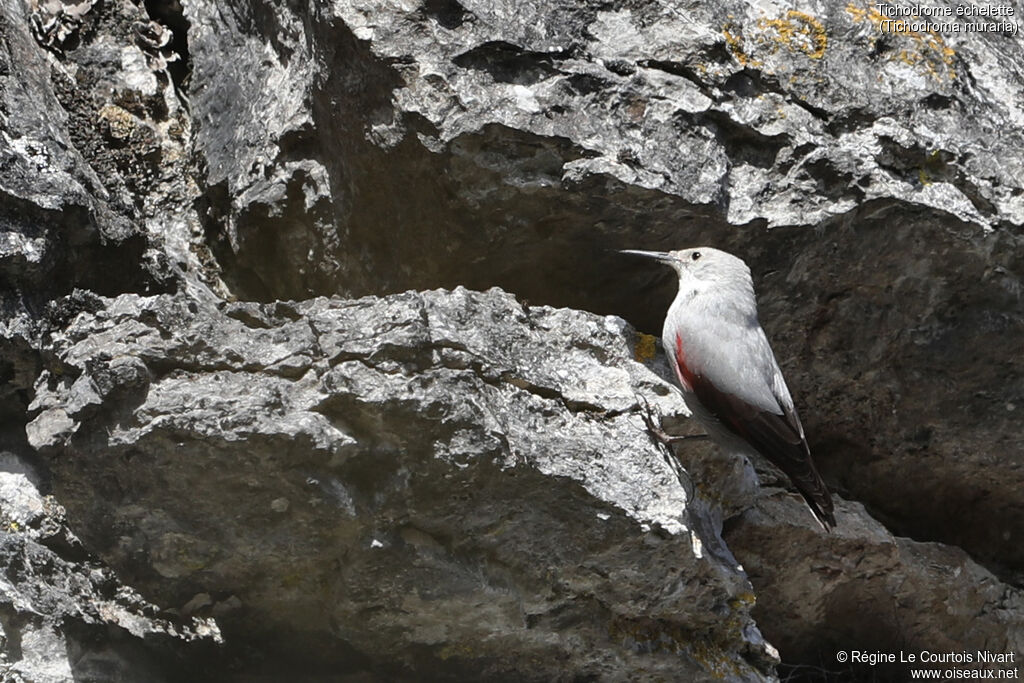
{"points": [[318, 363]]}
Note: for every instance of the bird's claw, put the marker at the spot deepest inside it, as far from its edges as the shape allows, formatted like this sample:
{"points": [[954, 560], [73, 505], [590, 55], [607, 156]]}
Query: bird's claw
{"points": [[653, 426]]}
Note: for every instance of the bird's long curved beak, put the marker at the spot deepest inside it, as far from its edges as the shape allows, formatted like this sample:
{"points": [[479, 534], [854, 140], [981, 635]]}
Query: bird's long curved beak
{"points": [[662, 256]]}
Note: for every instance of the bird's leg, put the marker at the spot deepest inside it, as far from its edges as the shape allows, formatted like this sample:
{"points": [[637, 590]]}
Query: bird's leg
{"points": [[660, 434]]}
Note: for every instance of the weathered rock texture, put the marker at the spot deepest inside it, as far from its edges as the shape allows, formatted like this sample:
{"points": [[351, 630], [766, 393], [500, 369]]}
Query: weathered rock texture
{"points": [[921, 596], [451, 483], [64, 617], [419, 478]]}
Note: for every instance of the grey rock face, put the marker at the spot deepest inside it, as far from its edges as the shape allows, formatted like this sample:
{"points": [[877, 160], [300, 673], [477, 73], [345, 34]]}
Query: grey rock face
{"points": [[919, 421], [87, 140], [90, 161], [64, 617], [385, 474], [94, 193], [453, 484], [923, 596], [724, 113]]}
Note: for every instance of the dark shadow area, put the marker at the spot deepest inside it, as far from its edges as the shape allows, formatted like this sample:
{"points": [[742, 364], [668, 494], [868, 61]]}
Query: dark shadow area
{"points": [[171, 14]]}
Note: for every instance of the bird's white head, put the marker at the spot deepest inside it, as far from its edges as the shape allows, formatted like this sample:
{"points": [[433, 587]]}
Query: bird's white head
{"points": [[703, 267]]}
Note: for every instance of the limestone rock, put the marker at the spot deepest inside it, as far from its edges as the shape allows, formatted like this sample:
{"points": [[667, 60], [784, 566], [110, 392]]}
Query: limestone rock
{"points": [[862, 588], [441, 482], [457, 483], [65, 616]]}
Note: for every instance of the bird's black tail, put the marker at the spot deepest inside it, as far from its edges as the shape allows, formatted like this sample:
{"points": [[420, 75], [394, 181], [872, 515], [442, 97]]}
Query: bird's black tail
{"points": [[811, 486]]}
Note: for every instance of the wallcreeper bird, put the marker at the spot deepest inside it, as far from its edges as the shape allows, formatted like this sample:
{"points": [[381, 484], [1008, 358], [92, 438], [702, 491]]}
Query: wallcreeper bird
{"points": [[730, 379]]}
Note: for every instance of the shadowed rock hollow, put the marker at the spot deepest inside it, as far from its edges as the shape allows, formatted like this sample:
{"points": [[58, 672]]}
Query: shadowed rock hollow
{"points": [[263, 410]]}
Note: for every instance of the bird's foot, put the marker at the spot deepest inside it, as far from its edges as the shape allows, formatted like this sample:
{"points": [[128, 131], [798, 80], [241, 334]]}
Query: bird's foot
{"points": [[653, 426]]}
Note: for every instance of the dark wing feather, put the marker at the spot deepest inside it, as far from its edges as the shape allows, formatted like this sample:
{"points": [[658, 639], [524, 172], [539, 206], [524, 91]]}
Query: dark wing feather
{"points": [[778, 437]]}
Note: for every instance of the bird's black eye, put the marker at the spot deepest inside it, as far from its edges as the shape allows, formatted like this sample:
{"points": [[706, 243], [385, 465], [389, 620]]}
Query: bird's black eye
{"points": [[695, 255]]}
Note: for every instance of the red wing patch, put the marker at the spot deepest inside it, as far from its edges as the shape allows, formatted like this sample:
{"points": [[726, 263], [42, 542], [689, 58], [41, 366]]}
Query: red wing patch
{"points": [[683, 371]]}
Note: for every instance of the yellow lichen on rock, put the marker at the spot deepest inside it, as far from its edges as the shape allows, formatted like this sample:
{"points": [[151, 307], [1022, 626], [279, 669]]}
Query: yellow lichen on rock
{"points": [[746, 599], [798, 31], [860, 14], [734, 42], [119, 122], [715, 659], [645, 347]]}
